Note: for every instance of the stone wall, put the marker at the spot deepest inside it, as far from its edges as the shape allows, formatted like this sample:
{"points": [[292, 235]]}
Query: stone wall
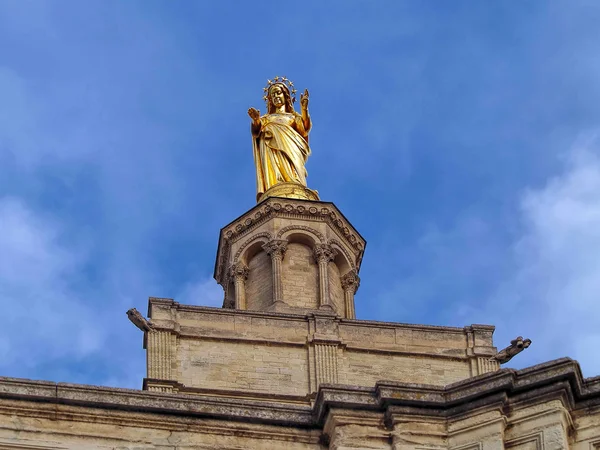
{"points": [[243, 366], [300, 277], [259, 285], [291, 354]]}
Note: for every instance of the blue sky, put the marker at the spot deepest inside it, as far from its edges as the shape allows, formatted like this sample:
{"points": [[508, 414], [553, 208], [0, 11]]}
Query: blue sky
{"points": [[460, 138]]}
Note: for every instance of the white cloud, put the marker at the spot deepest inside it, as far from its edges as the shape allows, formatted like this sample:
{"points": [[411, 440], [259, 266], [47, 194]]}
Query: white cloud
{"points": [[42, 318], [203, 292], [558, 263], [534, 272]]}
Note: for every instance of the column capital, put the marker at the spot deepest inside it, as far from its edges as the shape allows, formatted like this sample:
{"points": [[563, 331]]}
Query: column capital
{"points": [[324, 253], [238, 271], [275, 247], [350, 281]]}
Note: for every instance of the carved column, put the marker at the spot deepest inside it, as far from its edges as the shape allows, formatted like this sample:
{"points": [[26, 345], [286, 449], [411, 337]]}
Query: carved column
{"points": [[350, 284], [239, 273], [276, 249], [323, 254]]}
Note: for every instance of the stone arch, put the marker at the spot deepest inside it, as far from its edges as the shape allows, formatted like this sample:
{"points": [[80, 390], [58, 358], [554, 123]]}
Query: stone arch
{"points": [[343, 259], [251, 247], [302, 234]]}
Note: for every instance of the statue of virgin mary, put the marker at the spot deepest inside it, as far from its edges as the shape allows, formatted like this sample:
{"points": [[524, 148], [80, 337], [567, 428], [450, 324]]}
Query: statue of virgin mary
{"points": [[280, 144]]}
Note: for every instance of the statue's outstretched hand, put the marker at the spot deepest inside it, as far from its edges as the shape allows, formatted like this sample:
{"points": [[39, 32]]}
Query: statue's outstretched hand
{"points": [[254, 113], [304, 99]]}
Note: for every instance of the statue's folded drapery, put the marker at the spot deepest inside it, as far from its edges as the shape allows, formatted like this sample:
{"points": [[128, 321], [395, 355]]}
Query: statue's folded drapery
{"points": [[280, 151]]}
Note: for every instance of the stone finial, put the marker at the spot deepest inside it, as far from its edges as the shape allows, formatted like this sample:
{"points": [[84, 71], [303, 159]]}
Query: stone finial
{"points": [[324, 253], [139, 321], [516, 346]]}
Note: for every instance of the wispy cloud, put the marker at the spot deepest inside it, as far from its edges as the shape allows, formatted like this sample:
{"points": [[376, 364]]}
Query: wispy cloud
{"points": [[554, 291], [124, 147], [204, 292], [534, 271], [43, 317]]}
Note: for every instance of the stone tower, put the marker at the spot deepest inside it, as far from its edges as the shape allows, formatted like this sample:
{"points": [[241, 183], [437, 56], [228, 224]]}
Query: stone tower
{"points": [[290, 256]]}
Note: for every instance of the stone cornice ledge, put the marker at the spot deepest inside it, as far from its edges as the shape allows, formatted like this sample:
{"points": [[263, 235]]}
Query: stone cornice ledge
{"points": [[560, 377], [261, 411]]}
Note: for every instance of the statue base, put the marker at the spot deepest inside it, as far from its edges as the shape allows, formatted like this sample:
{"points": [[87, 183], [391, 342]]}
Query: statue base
{"points": [[289, 190]]}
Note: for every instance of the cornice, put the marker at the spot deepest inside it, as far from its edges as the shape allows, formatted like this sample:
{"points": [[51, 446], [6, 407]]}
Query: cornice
{"points": [[301, 317], [556, 379]]}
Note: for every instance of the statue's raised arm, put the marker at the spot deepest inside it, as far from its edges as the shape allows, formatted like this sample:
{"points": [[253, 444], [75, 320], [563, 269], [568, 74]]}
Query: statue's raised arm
{"points": [[280, 143]]}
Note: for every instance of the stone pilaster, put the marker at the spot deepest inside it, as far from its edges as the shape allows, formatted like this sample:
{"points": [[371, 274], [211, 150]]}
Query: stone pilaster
{"points": [[276, 248], [483, 431], [354, 429], [326, 363], [239, 273], [324, 346], [479, 351], [412, 431], [160, 357], [350, 284], [324, 254]]}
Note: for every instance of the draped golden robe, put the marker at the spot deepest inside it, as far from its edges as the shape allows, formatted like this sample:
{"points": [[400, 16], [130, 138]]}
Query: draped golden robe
{"points": [[280, 151]]}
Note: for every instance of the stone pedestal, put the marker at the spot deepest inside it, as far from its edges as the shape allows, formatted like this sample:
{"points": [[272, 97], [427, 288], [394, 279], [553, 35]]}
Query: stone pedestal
{"points": [[290, 255]]}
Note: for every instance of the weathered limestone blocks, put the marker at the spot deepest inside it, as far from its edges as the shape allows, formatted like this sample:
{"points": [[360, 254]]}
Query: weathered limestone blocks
{"points": [[193, 347], [289, 255]]}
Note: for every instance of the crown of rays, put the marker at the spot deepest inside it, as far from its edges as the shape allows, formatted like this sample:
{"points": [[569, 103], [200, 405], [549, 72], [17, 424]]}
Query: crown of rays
{"points": [[279, 80]]}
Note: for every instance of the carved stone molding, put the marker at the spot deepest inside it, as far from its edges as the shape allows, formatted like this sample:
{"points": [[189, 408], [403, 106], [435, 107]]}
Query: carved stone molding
{"points": [[289, 208], [256, 237], [340, 247], [309, 230], [306, 211]]}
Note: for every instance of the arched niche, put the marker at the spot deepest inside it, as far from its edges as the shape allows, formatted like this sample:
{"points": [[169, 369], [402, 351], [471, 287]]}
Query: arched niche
{"points": [[341, 265], [299, 271], [259, 284]]}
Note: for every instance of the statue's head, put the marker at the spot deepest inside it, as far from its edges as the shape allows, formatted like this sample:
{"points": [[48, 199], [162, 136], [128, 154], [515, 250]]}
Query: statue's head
{"points": [[278, 95]]}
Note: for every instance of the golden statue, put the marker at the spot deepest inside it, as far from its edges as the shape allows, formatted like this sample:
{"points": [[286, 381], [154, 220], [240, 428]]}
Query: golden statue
{"points": [[280, 143]]}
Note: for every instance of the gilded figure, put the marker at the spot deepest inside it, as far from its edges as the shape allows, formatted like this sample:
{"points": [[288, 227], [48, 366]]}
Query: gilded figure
{"points": [[280, 141]]}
